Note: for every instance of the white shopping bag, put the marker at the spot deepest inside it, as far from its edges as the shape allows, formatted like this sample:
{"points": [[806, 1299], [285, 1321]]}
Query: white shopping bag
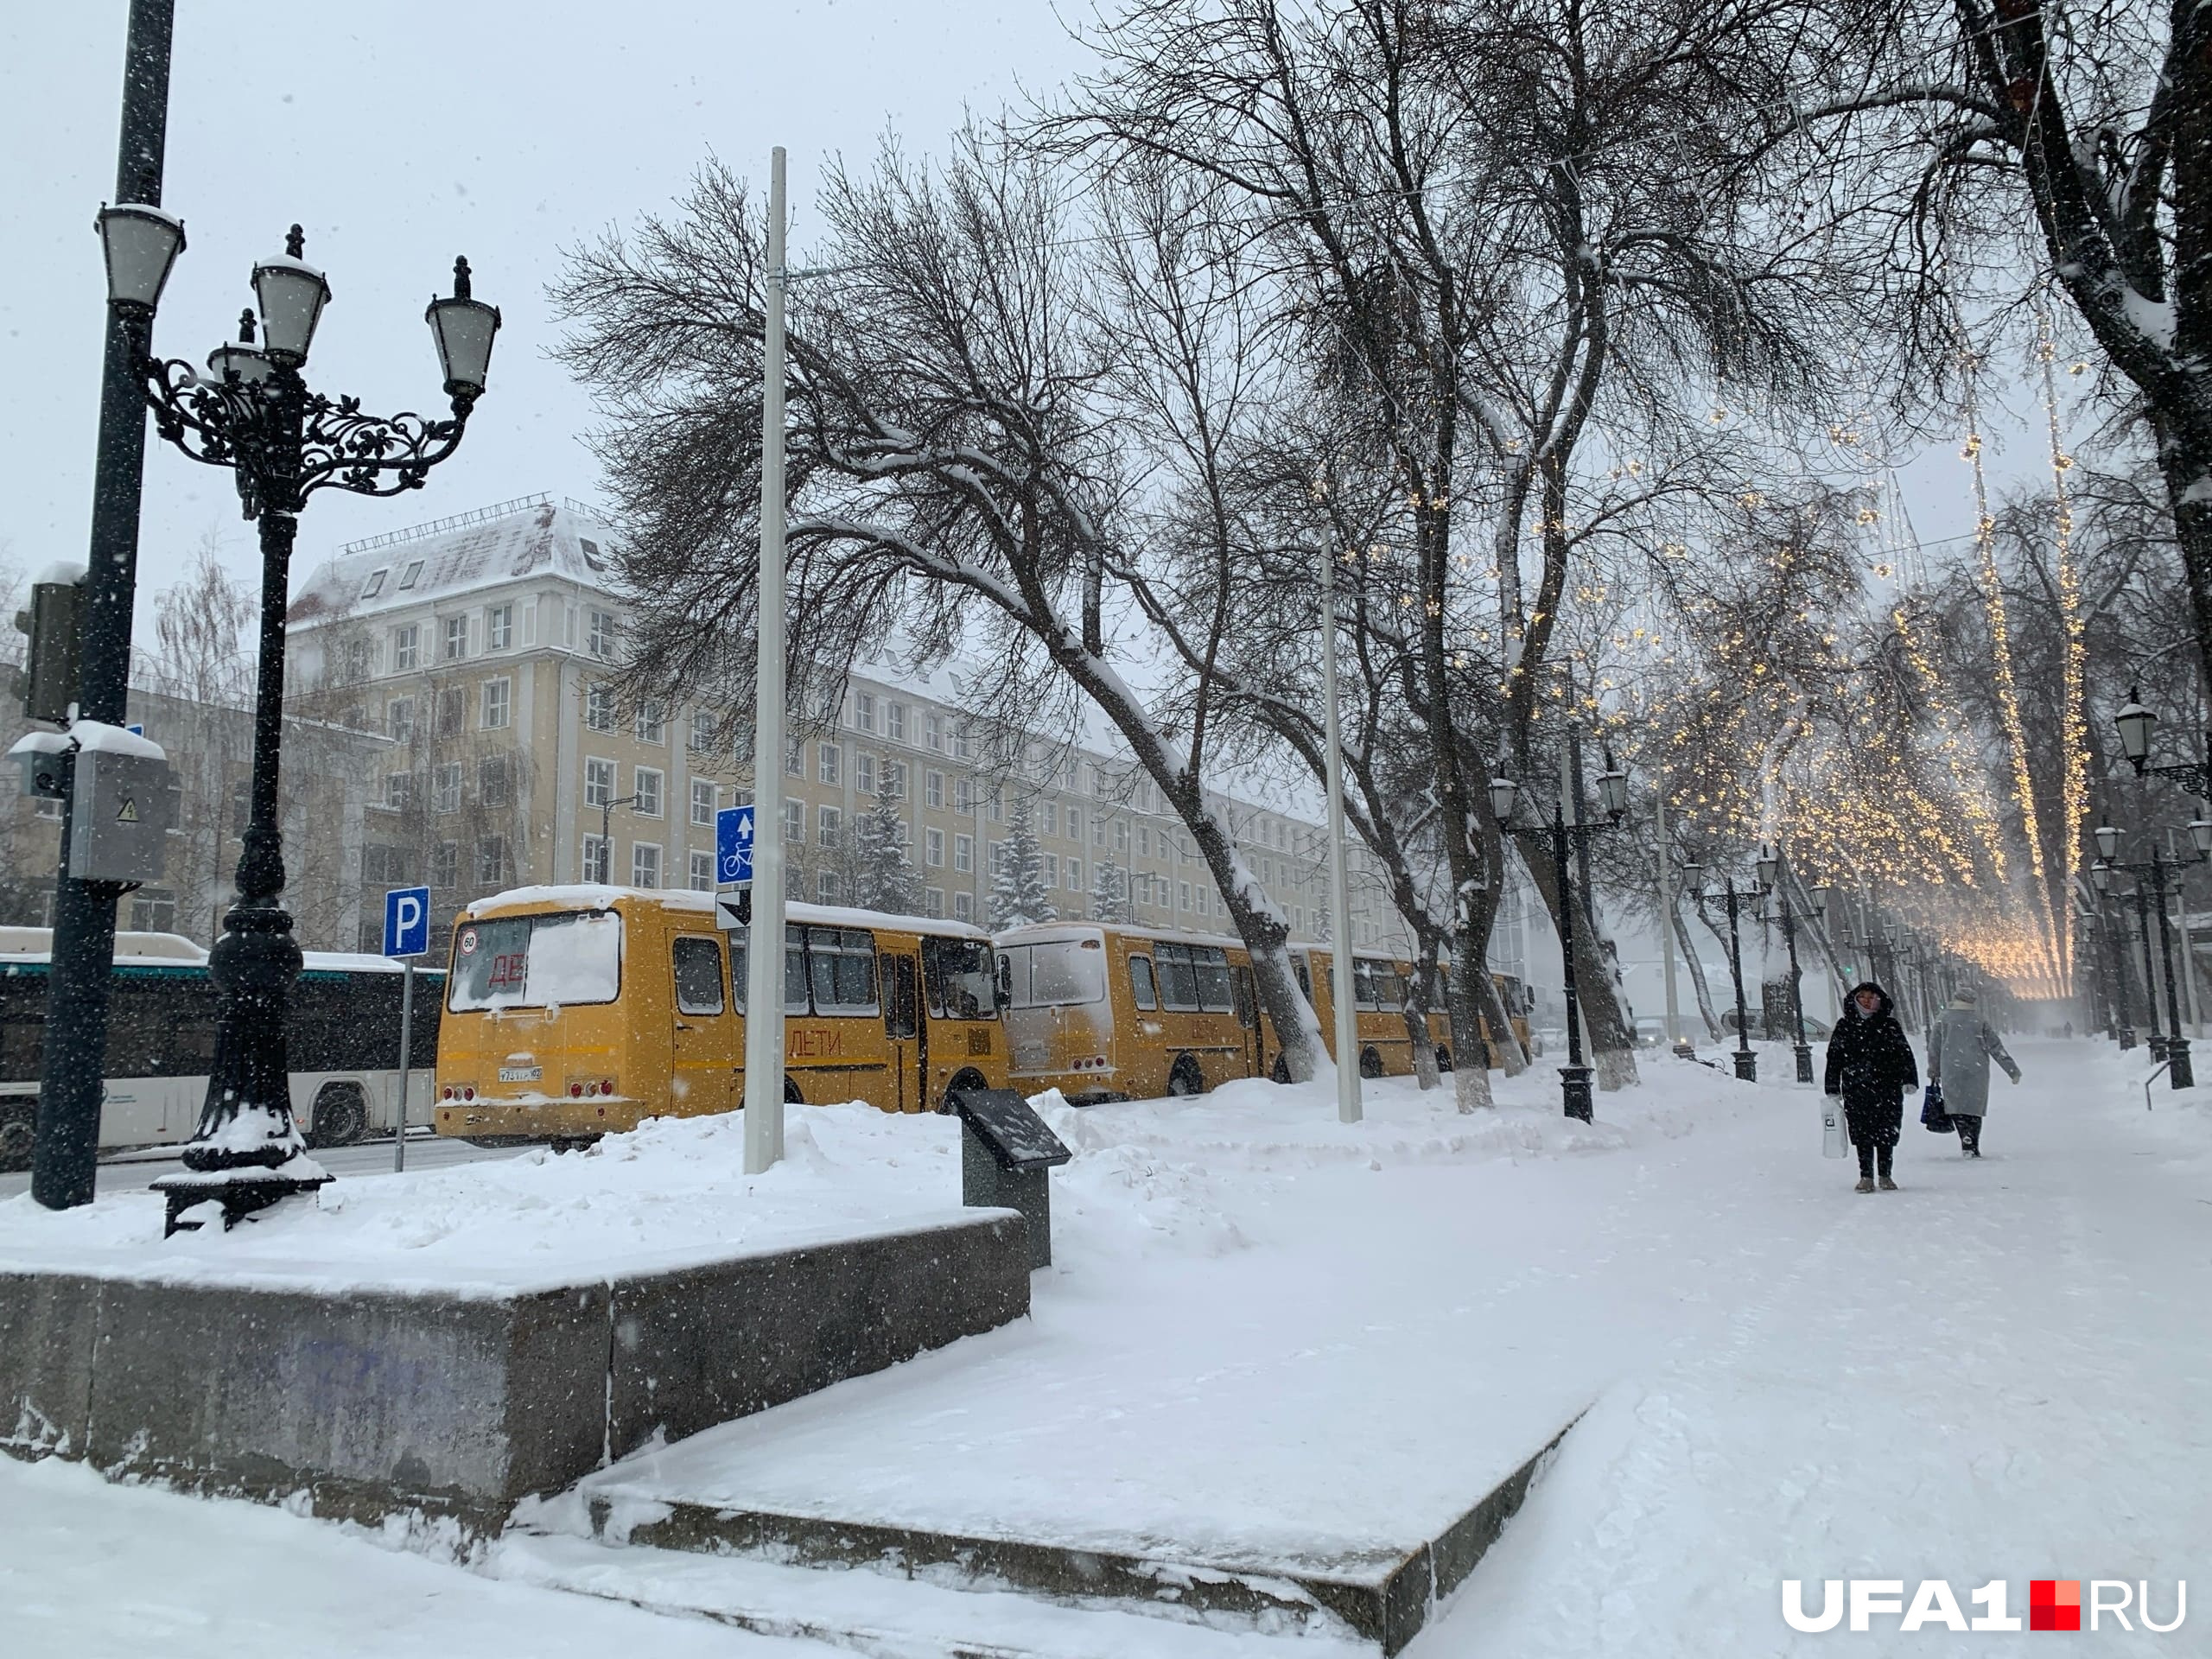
{"points": [[1835, 1135]]}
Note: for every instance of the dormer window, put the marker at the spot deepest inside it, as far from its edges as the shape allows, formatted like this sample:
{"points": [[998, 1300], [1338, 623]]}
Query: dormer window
{"points": [[411, 575], [375, 584]]}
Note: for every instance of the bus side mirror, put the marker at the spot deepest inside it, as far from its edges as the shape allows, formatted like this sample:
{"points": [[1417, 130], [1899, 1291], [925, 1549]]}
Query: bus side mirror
{"points": [[1002, 984]]}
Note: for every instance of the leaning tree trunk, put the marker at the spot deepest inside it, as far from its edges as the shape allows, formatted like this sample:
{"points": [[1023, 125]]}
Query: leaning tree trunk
{"points": [[1413, 1008], [1697, 967]]}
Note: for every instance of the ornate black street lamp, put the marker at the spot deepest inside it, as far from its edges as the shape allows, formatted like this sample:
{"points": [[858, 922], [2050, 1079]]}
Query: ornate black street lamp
{"points": [[2137, 725], [1613, 797], [2175, 1048], [253, 413], [1747, 1062], [1771, 871]]}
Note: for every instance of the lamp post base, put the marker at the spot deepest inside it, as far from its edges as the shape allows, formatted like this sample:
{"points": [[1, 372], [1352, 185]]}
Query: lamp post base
{"points": [[2158, 1047], [1747, 1066], [2180, 1071], [1574, 1092], [1804, 1063], [240, 1191]]}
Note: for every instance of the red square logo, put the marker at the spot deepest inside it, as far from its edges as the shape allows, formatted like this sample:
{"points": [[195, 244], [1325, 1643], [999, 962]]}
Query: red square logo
{"points": [[2053, 1604]]}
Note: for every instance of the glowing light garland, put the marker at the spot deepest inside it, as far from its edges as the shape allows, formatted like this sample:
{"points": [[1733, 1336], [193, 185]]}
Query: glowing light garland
{"points": [[2073, 718]]}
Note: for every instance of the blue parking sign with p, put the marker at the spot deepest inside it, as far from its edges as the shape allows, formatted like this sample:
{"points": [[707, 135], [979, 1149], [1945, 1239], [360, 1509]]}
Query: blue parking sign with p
{"points": [[733, 847], [406, 921]]}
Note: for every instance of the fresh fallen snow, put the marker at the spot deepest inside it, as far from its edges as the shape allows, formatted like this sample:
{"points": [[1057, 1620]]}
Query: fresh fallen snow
{"points": [[673, 1193], [1274, 1331]]}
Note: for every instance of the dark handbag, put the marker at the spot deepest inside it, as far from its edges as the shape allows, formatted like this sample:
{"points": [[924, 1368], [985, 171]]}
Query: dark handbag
{"points": [[1933, 1117]]}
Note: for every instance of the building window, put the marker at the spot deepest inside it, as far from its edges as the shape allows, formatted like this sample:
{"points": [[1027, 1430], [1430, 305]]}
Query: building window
{"points": [[1074, 882], [794, 820], [499, 704], [398, 791], [445, 788], [1121, 835], [963, 853], [825, 887], [933, 789], [644, 864], [357, 658], [645, 784], [384, 866], [598, 708], [492, 861], [863, 772], [933, 741], [453, 710], [653, 721], [997, 853], [703, 803], [894, 774], [1051, 868], [499, 626], [1048, 819], [794, 882], [1183, 888], [997, 805], [703, 731], [894, 722], [827, 822], [933, 847], [598, 781], [407, 648], [702, 872], [411, 575], [964, 907], [1075, 824], [964, 797], [445, 864], [399, 719], [795, 761], [864, 710], [960, 742], [600, 642], [827, 756], [153, 910], [1144, 841], [594, 863], [456, 643], [375, 584], [933, 901], [493, 780]]}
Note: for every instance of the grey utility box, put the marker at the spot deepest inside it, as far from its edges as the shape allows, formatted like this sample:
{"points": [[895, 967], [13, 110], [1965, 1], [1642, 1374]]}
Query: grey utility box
{"points": [[1005, 1151], [118, 823], [48, 760]]}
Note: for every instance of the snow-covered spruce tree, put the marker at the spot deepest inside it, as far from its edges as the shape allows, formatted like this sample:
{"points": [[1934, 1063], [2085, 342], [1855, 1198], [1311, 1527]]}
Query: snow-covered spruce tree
{"points": [[1019, 895], [977, 403], [1109, 891], [884, 877]]}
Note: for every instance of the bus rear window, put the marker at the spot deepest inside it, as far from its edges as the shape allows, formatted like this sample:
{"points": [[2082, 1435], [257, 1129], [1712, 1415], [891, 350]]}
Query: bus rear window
{"points": [[563, 960], [1057, 974]]}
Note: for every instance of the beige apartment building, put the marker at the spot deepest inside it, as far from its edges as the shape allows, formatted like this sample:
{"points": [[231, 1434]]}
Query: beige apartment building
{"points": [[484, 648]]}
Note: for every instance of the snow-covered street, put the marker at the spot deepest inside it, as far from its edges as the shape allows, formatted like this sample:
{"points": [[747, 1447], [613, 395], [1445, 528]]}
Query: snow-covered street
{"points": [[1261, 1321]]}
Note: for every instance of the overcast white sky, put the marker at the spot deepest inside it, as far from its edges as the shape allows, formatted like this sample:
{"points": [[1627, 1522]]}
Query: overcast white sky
{"points": [[401, 134]]}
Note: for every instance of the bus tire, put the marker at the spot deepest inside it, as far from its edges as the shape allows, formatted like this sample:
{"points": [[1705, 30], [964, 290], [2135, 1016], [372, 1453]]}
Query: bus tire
{"points": [[341, 1116], [1184, 1078], [1282, 1073], [18, 1135], [1443, 1059], [968, 1078], [1370, 1062], [792, 1096]]}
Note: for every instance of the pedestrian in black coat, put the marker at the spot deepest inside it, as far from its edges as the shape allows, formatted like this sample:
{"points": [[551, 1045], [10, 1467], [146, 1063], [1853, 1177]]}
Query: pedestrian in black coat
{"points": [[1871, 1066]]}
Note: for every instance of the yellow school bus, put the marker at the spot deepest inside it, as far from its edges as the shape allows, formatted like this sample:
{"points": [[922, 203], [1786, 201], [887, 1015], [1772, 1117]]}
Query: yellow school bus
{"points": [[1111, 1012], [575, 1012], [1378, 996]]}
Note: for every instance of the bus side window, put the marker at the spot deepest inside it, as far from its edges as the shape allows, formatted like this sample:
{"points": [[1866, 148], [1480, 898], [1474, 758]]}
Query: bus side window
{"points": [[1143, 991], [1305, 979], [1178, 981], [1210, 963], [901, 1016], [1362, 984], [698, 975]]}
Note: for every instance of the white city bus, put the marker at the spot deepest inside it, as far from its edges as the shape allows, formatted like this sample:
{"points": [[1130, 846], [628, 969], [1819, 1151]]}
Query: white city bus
{"points": [[342, 1037]]}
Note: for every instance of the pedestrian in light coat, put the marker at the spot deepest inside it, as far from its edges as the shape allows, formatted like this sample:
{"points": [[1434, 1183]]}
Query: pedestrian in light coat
{"points": [[1960, 1050], [1871, 1066]]}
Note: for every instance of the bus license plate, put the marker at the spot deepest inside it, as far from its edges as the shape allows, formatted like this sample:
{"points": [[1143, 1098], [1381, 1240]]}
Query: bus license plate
{"points": [[521, 1073]]}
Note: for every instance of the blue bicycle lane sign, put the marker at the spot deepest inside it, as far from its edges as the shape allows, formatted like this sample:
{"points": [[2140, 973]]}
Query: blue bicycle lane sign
{"points": [[733, 847]]}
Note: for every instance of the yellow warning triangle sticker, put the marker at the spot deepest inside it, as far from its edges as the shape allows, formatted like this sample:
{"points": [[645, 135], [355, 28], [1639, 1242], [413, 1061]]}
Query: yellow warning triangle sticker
{"points": [[130, 813]]}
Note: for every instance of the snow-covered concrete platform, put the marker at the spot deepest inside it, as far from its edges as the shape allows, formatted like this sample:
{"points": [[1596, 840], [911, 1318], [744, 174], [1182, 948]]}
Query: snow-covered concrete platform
{"points": [[458, 1341]]}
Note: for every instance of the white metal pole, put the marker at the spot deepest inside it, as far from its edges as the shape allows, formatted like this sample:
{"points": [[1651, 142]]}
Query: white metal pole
{"points": [[1667, 915], [406, 1060], [1348, 1108], [764, 976]]}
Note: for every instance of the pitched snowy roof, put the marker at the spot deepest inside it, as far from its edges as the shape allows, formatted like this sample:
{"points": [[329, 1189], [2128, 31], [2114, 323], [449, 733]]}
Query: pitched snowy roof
{"points": [[459, 555]]}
